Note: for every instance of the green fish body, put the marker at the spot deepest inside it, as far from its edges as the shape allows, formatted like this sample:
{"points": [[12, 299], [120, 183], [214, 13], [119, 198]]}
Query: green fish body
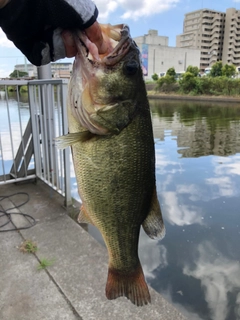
{"points": [[115, 164]]}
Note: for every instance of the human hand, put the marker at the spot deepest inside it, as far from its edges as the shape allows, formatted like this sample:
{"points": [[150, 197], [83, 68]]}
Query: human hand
{"points": [[42, 29], [94, 34]]}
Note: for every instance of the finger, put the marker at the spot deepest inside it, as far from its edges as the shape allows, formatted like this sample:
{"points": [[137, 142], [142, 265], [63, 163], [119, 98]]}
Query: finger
{"points": [[94, 34], [69, 43]]}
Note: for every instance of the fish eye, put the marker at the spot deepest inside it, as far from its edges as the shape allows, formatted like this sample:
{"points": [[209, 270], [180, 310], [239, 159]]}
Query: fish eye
{"points": [[131, 67]]}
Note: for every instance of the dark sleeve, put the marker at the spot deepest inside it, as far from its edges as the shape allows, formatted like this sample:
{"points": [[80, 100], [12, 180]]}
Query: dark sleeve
{"points": [[30, 24]]}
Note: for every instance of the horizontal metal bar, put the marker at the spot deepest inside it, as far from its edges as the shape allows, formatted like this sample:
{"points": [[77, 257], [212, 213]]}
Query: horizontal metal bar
{"points": [[33, 176], [47, 81], [14, 82]]}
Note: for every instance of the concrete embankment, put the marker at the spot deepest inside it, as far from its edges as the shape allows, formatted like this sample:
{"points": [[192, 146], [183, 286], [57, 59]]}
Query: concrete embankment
{"points": [[217, 99], [73, 287]]}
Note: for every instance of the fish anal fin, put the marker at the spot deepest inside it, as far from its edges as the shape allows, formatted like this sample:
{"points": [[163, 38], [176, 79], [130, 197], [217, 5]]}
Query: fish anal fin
{"points": [[132, 285], [83, 217], [153, 225]]}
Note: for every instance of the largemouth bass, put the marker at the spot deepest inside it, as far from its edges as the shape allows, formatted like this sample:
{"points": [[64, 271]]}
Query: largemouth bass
{"points": [[110, 132]]}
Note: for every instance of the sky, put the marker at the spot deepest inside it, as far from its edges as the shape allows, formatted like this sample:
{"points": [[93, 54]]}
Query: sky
{"points": [[166, 16]]}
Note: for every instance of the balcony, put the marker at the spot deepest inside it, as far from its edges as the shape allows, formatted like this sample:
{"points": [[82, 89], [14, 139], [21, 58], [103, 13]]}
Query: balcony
{"points": [[214, 47], [236, 61]]}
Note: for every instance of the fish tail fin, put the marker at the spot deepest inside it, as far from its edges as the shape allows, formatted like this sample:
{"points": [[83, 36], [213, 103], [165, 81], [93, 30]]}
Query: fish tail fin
{"points": [[132, 285]]}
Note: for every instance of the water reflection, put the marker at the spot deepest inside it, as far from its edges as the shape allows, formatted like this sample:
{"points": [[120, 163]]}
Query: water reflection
{"points": [[198, 178], [219, 276], [208, 129]]}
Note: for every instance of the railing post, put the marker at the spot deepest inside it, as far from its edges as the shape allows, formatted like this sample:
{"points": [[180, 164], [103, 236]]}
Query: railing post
{"points": [[35, 130], [66, 152]]}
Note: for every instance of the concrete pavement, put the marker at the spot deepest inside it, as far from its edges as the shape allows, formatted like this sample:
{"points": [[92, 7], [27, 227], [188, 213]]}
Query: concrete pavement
{"points": [[73, 287]]}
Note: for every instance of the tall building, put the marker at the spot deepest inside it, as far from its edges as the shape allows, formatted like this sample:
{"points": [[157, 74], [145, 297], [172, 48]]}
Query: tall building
{"points": [[204, 30], [231, 47], [215, 33]]}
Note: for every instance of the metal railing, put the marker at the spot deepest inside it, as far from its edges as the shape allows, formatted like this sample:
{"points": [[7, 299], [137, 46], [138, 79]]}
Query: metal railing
{"points": [[29, 123]]}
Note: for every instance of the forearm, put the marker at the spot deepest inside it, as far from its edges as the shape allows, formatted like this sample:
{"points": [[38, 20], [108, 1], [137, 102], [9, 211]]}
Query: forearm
{"points": [[3, 3]]}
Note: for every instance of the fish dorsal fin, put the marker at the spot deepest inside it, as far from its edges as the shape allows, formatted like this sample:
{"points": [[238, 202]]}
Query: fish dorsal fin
{"points": [[153, 225], [67, 140]]}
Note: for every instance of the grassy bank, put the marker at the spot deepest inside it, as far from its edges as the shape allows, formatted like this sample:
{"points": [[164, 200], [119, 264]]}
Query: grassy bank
{"points": [[196, 88]]}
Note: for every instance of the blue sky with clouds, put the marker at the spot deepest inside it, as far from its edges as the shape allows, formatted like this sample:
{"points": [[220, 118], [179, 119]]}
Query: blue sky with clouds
{"points": [[166, 16]]}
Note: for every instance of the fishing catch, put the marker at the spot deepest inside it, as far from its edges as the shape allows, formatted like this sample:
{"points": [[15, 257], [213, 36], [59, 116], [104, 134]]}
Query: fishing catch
{"points": [[110, 133]]}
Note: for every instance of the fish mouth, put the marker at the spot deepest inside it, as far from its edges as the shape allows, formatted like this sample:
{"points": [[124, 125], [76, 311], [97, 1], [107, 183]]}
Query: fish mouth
{"points": [[119, 43]]}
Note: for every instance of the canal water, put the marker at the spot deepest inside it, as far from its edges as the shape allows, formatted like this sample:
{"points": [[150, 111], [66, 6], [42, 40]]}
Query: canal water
{"points": [[197, 265]]}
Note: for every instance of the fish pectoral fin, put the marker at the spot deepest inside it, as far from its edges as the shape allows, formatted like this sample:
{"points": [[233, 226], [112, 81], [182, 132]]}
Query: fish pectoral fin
{"points": [[115, 117], [132, 285], [153, 225], [83, 217], [67, 140]]}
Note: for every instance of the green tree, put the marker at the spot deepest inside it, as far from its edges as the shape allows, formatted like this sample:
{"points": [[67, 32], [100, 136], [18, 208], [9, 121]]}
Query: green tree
{"points": [[18, 74], [216, 70], [166, 84], [193, 70], [188, 83], [155, 77], [171, 72], [229, 70]]}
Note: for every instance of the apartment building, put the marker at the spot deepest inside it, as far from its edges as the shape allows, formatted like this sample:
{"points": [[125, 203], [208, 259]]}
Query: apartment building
{"points": [[204, 30], [231, 46], [215, 33]]}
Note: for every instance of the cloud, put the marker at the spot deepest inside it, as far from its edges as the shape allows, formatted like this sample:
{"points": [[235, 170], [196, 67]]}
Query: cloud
{"points": [[4, 42], [195, 193], [5, 71], [152, 255], [146, 8], [230, 165], [237, 308], [219, 276], [224, 182], [134, 9], [164, 164], [105, 8], [224, 185], [180, 214]]}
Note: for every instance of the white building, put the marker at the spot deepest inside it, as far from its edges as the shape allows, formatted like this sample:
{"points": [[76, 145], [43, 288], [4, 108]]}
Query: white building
{"points": [[58, 69], [158, 57]]}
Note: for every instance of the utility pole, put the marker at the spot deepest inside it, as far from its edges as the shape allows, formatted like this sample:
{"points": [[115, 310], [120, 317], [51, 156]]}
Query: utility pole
{"points": [[44, 72]]}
